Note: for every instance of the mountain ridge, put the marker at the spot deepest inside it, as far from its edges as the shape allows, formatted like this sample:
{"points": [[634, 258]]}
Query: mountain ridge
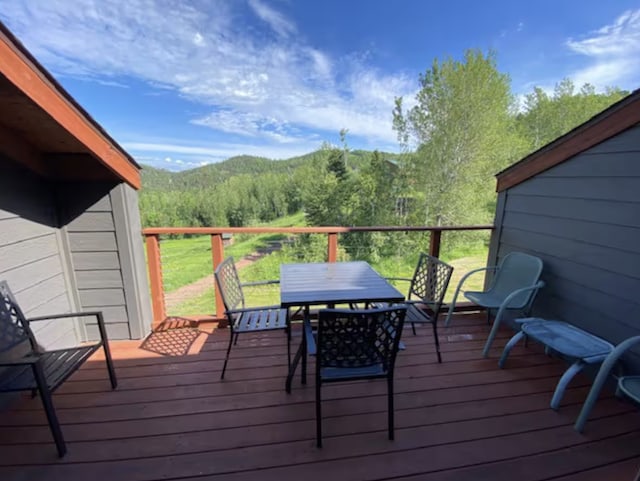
{"points": [[154, 178]]}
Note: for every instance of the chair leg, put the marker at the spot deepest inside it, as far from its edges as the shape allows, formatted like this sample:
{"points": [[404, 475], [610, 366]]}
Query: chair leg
{"points": [[435, 337], [288, 333], [390, 408], [318, 415], [289, 347], [235, 340], [109, 361], [49, 410], [488, 316], [413, 328], [226, 359], [303, 369]]}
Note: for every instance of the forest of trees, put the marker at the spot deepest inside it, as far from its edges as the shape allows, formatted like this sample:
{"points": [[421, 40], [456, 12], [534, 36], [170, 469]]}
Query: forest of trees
{"points": [[465, 125]]}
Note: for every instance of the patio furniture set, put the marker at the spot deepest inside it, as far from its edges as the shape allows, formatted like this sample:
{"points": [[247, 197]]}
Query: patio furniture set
{"points": [[355, 335]]}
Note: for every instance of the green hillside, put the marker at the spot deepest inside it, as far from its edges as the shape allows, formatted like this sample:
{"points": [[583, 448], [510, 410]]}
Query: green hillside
{"points": [[212, 174]]}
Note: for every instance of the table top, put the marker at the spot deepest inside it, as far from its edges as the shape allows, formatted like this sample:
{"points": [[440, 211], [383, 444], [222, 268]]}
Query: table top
{"points": [[567, 339], [333, 283]]}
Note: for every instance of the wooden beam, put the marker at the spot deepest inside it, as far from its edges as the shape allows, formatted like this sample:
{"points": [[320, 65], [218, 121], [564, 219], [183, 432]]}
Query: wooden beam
{"points": [[217, 254], [30, 78], [332, 248], [434, 243], [155, 279], [306, 230]]}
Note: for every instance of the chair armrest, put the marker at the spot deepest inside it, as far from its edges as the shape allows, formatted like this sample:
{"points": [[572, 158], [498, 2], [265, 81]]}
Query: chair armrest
{"points": [[517, 292], [407, 279], [24, 361], [62, 316], [309, 338], [97, 314], [474, 271], [259, 283]]}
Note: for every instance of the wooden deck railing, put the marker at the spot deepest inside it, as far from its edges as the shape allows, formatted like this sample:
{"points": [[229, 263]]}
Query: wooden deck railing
{"points": [[152, 236]]}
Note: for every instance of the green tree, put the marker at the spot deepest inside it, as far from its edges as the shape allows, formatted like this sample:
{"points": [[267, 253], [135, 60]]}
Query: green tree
{"points": [[549, 116], [462, 130]]}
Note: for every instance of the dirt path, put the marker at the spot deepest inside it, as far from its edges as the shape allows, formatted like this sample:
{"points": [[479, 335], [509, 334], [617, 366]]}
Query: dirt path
{"points": [[199, 287]]}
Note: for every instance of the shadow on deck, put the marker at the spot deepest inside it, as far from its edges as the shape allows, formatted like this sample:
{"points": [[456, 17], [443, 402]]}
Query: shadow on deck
{"points": [[465, 419]]}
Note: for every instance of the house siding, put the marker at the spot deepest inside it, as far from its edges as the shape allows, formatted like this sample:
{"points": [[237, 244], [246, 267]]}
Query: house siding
{"points": [[582, 217], [30, 254], [88, 223]]}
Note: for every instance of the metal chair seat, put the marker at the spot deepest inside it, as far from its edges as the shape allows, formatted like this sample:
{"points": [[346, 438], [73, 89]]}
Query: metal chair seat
{"points": [[352, 345], [38, 371], [57, 366], [484, 299], [329, 374], [243, 319], [630, 387], [514, 287], [426, 291], [417, 315], [262, 319]]}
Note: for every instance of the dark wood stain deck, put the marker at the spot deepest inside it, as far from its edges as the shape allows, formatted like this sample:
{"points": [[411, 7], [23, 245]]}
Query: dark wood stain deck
{"points": [[171, 418]]}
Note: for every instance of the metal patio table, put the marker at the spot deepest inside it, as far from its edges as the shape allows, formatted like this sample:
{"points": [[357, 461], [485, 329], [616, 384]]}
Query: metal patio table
{"points": [[329, 284]]}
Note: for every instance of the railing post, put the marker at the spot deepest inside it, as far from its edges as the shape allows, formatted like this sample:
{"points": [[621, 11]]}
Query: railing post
{"points": [[155, 279], [217, 252], [332, 250], [434, 243]]}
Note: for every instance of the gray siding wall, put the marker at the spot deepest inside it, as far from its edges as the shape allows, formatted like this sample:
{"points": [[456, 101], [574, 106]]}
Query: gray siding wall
{"points": [[31, 257], [88, 220], [582, 218], [101, 226]]}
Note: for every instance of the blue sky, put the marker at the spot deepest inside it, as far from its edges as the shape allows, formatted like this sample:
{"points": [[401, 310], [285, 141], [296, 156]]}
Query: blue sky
{"points": [[184, 83]]}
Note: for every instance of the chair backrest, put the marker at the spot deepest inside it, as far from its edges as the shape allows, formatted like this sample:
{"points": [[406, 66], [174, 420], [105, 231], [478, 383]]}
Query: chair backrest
{"points": [[359, 338], [430, 281], [229, 284], [515, 271], [14, 327]]}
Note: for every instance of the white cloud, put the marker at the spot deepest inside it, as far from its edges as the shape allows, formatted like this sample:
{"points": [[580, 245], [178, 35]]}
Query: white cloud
{"points": [[153, 153], [266, 87], [277, 21], [612, 52]]}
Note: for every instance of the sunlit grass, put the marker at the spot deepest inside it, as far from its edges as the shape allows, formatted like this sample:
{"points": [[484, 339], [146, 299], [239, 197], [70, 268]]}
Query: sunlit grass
{"points": [[268, 268], [188, 259]]}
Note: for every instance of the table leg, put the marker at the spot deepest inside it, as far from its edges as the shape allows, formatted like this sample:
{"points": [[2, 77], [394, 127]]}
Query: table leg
{"points": [[564, 381], [292, 368], [301, 353], [507, 349], [303, 371]]}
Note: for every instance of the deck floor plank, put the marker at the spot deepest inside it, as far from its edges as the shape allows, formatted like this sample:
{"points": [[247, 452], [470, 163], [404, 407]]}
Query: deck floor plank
{"points": [[171, 418]]}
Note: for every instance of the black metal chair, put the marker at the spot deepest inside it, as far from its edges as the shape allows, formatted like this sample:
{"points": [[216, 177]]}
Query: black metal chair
{"points": [[244, 319], [41, 372], [351, 345], [426, 293]]}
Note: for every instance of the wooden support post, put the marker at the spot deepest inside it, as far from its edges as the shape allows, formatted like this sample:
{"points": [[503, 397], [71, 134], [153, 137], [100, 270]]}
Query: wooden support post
{"points": [[332, 250], [434, 244], [155, 279], [217, 252]]}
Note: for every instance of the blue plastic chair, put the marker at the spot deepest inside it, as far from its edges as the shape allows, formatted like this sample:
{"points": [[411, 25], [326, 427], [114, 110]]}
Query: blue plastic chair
{"points": [[628, 386], [515, 285]]}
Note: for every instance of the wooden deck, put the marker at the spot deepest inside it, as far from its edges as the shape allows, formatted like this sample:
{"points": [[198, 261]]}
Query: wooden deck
{"points": [[171, 418]]}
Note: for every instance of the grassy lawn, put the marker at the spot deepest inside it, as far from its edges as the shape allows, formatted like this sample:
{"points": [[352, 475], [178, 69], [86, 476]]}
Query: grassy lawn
{"points": [[270, 294], [186, 260]]}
